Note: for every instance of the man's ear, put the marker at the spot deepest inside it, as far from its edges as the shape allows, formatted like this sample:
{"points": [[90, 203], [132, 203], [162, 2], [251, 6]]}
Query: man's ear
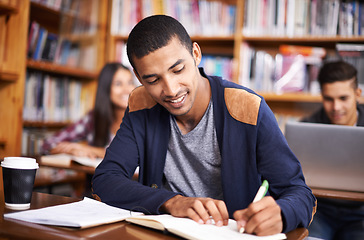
{"points": [[196, 53], [358, 92]]}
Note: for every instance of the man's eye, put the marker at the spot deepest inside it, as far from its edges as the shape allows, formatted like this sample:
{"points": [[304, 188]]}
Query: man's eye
{"points": [[179, 70], [153, 81]]}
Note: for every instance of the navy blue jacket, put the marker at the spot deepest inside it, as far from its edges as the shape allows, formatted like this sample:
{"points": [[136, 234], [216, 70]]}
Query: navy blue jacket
{"points": [[251, 144]]}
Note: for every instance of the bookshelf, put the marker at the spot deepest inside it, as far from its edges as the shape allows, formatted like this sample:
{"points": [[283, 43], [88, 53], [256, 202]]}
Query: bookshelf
{"points": [[216, 35], [61, 79], [229, 43], [15, 60], [13, 29], [307, 24]]}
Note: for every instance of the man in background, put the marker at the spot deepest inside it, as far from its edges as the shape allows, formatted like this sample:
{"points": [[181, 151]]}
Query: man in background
{"points": [[338, 219], [340, 96]]}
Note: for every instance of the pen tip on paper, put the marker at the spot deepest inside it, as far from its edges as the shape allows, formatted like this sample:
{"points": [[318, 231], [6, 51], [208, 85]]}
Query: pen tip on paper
{"points": [[242, 229]]}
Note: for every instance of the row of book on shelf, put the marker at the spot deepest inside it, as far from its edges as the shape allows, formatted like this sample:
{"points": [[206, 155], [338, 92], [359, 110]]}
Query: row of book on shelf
{"points": [[294, 68], [77, 16], [70, 6], [221, 66], [53, 99], [80, 17], [53, 4], [46, 46], [200, 17], [33, 139], [304, 17], [353, 54]]}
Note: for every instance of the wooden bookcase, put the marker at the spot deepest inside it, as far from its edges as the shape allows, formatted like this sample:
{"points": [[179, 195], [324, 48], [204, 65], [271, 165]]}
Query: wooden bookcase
{"points": [[290, 104], [82, 23], [14, 21], [212, 43], [13, 34], [15, 16]]}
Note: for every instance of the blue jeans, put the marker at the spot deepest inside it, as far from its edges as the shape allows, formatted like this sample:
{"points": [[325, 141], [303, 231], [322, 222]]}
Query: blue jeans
{"points": [[338, 220]]}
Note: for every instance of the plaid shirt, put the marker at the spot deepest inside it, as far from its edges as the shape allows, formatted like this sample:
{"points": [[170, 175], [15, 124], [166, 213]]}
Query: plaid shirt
{"points": [[82, 130]]}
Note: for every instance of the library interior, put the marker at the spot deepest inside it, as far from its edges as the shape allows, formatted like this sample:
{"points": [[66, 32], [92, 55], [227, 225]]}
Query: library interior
{"points": [[52, 53]]}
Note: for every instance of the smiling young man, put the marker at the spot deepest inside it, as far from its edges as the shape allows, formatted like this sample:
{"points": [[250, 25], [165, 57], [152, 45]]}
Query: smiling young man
{"points": [[340, 96], [203, 145], [338, 219]]}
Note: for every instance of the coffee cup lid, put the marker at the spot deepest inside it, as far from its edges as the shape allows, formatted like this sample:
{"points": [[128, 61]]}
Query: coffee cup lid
{"points": [[19, 163]]}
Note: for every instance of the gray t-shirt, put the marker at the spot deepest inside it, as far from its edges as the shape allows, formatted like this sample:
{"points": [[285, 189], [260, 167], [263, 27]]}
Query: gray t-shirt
{"points": [[193, 162]]}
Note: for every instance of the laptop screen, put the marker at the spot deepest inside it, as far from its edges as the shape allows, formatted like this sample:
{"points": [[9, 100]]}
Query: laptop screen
{"points": [[332, 156]]}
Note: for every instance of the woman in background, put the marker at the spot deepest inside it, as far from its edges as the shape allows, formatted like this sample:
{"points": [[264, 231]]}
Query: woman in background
{"points": [[99, 126]]}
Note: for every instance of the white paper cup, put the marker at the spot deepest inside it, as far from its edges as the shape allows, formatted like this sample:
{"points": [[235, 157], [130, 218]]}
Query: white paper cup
{"points": [[18, 177]]}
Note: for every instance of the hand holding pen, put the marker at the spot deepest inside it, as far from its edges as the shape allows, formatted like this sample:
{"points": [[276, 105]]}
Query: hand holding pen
{"points": [[263, 215]]}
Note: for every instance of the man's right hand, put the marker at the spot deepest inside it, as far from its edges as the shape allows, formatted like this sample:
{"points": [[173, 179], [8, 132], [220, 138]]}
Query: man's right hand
{"points": [[198, 209]]}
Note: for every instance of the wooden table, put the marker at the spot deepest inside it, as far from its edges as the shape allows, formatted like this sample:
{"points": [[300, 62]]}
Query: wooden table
{"points": [[13, 229], [338, 194]]}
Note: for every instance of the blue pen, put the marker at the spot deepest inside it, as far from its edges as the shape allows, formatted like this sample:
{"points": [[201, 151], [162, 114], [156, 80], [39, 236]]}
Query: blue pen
{"points": [[260, 194]]}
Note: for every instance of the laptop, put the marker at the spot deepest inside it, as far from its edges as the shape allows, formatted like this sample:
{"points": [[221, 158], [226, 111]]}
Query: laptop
{"points": [[332, 156]]}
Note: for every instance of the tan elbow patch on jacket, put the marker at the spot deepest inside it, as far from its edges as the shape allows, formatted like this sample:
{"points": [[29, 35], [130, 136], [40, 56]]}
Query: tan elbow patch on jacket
{"points": [[140, 99], [313, 212], [242, 105], [96, 197]]}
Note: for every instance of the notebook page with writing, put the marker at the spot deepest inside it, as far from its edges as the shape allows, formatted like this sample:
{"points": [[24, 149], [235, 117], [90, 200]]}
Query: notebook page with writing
{"points": [[189, 229]]}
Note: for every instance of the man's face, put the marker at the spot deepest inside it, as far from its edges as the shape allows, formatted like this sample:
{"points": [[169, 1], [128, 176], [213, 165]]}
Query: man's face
{"points": [[170, 75], [339, 101]]}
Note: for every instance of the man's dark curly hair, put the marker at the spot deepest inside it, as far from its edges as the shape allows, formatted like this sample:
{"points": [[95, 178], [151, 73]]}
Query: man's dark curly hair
{"points": [[337, 71], [155, 32]]}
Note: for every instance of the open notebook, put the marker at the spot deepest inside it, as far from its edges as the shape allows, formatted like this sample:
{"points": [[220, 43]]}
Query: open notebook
{"points": [[189, 229], [88, 213], [82, 214], [63, 159]]}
